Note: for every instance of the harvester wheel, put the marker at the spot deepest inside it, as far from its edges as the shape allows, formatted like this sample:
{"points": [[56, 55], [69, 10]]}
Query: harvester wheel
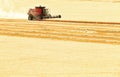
{"points": [[41, 17], [30, 17]]}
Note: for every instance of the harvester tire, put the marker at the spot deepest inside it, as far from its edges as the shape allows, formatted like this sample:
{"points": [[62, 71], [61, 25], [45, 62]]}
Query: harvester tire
{"points": [[30, 17], [41, 17]]}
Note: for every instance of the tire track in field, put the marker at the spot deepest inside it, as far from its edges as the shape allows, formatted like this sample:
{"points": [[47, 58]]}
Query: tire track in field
{"points": [[82, 32]]}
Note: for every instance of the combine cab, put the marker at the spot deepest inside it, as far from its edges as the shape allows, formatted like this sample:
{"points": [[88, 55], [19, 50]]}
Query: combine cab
{"points": [[39, 13]]}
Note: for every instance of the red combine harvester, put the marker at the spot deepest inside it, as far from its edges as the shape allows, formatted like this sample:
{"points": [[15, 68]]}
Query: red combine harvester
{"points": [[39, 13]]}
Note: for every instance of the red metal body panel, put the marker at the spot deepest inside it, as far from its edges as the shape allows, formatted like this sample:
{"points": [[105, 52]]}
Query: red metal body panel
{"points": [[38, 10]]}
